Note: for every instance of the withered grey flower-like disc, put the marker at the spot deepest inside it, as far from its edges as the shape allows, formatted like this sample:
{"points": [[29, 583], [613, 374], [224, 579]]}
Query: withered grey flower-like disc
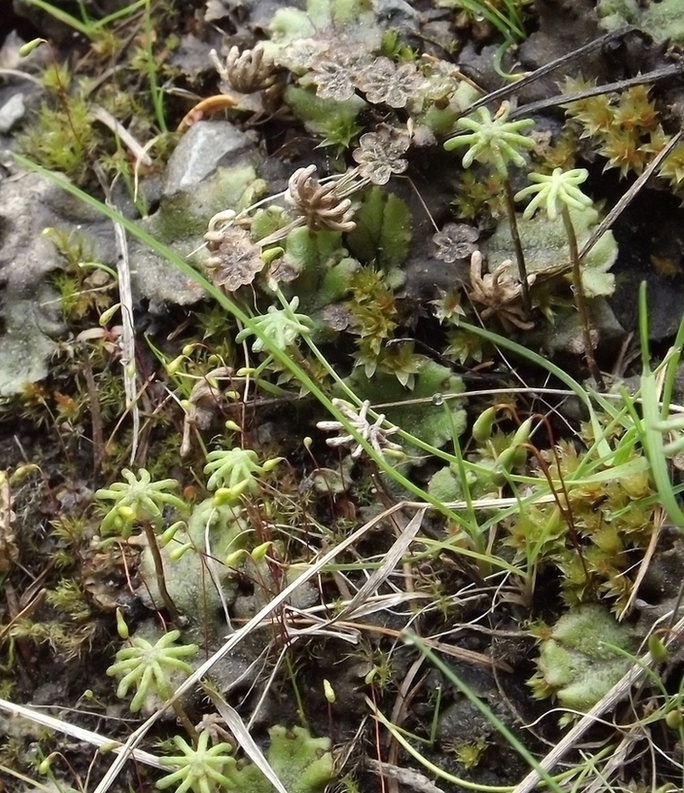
{"points": [[302, 54], [333, 80], [234, 260], [385, 83], [380, 154], [455, 241]]}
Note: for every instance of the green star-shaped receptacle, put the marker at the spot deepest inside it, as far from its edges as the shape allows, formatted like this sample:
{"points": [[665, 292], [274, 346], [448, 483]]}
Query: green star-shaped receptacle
{"points": [[492, 140], [137, 500], [148, 667], [236, 469], [555, 190], [281, 326], [202, 770]]}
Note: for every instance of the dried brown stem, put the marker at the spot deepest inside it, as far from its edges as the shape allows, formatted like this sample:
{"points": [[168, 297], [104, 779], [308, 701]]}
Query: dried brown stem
{"points": [[159, 573], [517, 245], [518, 85], [626, 199], [579, 298]]}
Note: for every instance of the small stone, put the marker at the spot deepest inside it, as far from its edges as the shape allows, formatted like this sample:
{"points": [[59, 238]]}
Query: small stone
{"points": [[11, 112], [203, 148]]}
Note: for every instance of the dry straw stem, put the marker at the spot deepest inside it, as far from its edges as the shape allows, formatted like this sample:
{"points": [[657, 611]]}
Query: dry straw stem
{"points": [[86, 736], [407, 776], [389, 562], [597, 90], [659, 517], [136, 149], [233, 721], [261, 616], [615, 695], [518, 85], [617, 759], [128, 356], [353, 627]]}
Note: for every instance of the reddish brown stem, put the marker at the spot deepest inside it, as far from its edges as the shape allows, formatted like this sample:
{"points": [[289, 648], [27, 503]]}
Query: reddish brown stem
{"points": [[517, 245], [159, 572], [579, 298]]}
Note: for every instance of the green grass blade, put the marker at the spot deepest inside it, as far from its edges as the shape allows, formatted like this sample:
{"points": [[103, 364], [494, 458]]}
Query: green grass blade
{"points": [[582, 394], [653, 414], [436, 661], [64, 17]]}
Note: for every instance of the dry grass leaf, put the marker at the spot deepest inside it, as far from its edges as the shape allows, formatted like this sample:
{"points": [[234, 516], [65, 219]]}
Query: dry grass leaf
{"points": [[9, 552]]}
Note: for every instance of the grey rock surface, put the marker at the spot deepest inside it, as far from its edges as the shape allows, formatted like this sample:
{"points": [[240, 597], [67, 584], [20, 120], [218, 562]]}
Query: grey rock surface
{"points": [[11, 111], [28, 310], [203, 148], [197, 186]]}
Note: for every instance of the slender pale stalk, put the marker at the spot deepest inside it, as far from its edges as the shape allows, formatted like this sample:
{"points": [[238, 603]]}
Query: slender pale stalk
{"points": [[179, 710]]}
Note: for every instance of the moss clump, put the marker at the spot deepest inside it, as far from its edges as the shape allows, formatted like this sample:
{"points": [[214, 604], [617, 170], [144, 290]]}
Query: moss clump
{"points": [[302, 763], [578, 661], [661, 20], [612, 521], [61, 142]]}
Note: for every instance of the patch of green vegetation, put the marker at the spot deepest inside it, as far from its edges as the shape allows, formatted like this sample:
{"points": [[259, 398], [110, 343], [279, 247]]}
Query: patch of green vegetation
{"points": [[461, 500], [60, 141], [383, 230], [336, 122], [63, 134], [302, 763], [606, 523], [86, 25], [184, 216], [425, 410], [664, 21], [152, 664], [66, 639], [69, 598], [582, 657], [506, 16], [84, 286]]}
